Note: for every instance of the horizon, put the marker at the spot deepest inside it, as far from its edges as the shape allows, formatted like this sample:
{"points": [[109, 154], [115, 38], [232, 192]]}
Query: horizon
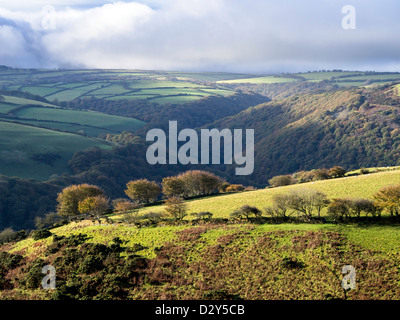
{"points": [[206, 71]]}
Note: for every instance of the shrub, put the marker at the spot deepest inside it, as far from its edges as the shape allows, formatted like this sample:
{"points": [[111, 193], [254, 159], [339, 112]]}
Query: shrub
{"points": [[200, 183], [41, 234], [291, 263], [280, 207], [152, 217], [303, 176], [320, 174], [246, 212], [176, 208], [359, 206], [306, 202], [123, 205], [131, 217], [9, 261], [7, 235], [337, 172], [49, 220], [282, 180], [90, 264], [343, 208], [235, 188], [204, 215], [33, 275], [339, 209]]}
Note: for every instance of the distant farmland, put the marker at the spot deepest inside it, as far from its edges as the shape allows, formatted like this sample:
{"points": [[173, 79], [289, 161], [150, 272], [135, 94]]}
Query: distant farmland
{"points": [[160, 87], [22, 157]]}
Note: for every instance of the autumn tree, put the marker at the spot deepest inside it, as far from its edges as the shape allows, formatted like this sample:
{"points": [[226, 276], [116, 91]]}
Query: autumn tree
{"points": [[70, 197], [199, 182], [388, 198], [95, 207], [143, 191], [173, 187], [337, 172], [320, 174]]}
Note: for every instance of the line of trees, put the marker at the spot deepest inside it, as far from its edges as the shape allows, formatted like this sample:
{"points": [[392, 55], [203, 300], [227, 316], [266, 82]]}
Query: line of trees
{"points": [[306, 204], [85, 200], [307, 176], [90, 201]]}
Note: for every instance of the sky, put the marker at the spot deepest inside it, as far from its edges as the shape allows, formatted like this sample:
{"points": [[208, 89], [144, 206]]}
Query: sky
{"points": [[252, 36]]}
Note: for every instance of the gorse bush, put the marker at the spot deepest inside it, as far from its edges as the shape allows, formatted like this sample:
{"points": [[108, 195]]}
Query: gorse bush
{"points": [[41, 234]]}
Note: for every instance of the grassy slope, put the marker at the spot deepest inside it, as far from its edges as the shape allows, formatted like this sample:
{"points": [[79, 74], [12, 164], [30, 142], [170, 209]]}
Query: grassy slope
{"points": [[363, 186], [90, 118], [246, 259], [27, 141]]}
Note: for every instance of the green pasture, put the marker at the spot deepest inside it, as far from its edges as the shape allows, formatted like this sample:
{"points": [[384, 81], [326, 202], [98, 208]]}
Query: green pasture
{"points": [[23, 101], [362, 186], [18, 143], [83, 118], [40, 90], [6, 107], [258, 80]]}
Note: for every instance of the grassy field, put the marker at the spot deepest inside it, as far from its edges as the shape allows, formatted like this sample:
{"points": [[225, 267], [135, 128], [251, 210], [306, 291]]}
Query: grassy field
{"points": [[16, 157], [398, 89], [258, 80], [362, 186], [218, 260], [341, 78], [85, 119]]}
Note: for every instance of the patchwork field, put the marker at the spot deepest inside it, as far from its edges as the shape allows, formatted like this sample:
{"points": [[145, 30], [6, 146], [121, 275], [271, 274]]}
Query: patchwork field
{"points": [[92, 123], [160, 87]]}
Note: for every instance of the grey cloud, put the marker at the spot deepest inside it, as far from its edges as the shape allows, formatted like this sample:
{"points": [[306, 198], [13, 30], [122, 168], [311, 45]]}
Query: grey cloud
{"points": [[226, 35]]}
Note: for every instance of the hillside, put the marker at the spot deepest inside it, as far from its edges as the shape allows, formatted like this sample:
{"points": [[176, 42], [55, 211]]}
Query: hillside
{"points": [[301, 122], [214, 260], [359, 186], [352, 128]]}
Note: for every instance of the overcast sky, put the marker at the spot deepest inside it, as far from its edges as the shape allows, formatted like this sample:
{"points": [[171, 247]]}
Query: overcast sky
{"points": [[254, 36]]}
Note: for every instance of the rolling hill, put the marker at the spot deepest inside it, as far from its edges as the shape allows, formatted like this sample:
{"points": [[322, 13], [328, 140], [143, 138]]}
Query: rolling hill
{"points": [[213, 260]]}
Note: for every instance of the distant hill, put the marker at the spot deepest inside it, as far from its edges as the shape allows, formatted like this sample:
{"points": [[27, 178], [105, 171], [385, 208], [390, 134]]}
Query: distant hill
{"points": [[354, 128]]}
